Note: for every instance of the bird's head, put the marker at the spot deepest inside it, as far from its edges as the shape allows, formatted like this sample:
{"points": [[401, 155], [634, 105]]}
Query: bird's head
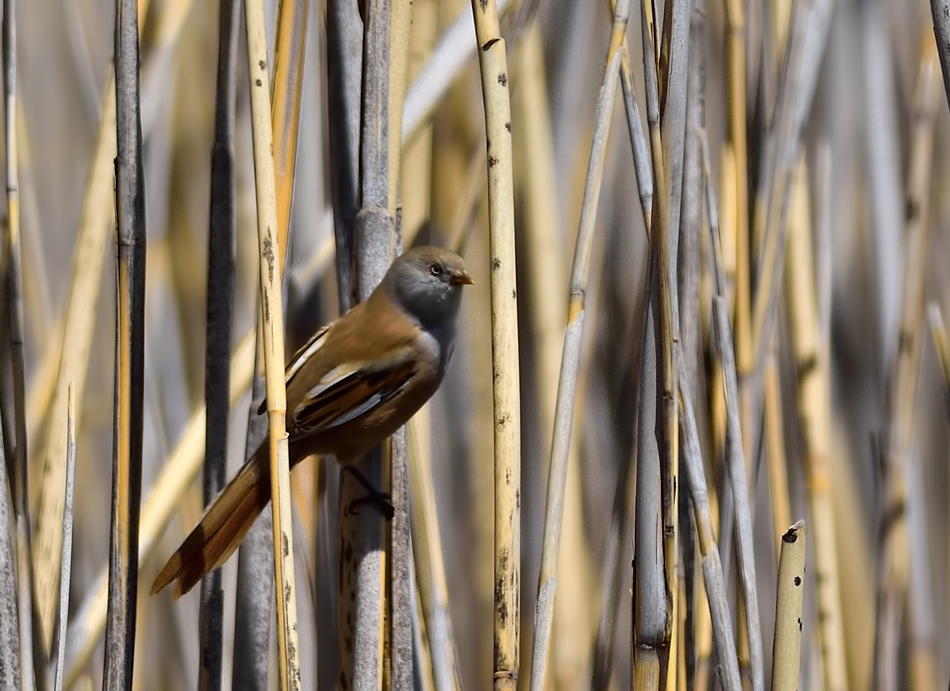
{"points": [[428, 282]]}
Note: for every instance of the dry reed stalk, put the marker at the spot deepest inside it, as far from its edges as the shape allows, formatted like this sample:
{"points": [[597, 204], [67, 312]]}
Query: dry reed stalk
{"points": [[505, 366], [739, 183], [662, 293], [650, 605], [938, 331], [895, 553], [400, 543], [814, 405], [362, 615], [273, 344], [786, 646], [570, 359], [66, 560], [709, 554], [782, 149], [420, 640], [11, 263], [285, 103], [736, 466], [220, 308], [940, 13], [10, 652], [775, 435], [130, 357], [430, 564], [163, 500]]}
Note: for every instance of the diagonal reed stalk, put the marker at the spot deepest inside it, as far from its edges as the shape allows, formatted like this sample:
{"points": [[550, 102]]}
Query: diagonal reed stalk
{"points": [[570, 358], [130, 357], [708, 552], [787, 643], [66, 560], [736, 465], [220, 308], [505, 365], [273, 345]]}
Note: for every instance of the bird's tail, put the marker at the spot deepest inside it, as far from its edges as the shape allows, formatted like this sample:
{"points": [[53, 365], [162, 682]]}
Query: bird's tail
{"points": [[222, 528]]}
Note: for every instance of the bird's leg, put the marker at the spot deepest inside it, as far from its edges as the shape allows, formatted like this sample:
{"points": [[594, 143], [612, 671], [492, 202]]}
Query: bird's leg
{"points": [[375, 498]]}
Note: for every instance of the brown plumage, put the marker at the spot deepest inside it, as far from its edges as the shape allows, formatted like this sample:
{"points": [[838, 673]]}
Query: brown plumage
{"points": [[352, 385]]}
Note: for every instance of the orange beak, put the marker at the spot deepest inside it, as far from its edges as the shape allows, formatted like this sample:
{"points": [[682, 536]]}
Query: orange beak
{"points": [[461, 278]]}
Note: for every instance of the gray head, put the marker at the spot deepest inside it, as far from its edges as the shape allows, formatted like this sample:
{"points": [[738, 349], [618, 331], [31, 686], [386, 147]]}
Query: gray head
{"points": [[427, 282]]}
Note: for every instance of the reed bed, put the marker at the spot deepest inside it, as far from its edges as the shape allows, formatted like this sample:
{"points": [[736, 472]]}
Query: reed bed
{"points": [[708, 242]]}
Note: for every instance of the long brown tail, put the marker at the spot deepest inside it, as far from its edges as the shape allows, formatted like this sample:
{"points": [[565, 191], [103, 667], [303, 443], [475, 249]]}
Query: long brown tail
{"points": [[222, 528]]}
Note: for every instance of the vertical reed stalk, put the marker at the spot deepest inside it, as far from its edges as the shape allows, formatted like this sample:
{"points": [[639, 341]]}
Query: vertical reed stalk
{"points": [[400, 544], [736, 87], [130, 356], [787, 644], [505, 366], [664, 318], [10, 653], [288, 83], [362, 613], [220, 307], [273, 344]]}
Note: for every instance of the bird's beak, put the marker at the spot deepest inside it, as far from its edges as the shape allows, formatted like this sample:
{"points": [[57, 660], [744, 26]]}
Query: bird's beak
{"points": [[461, 278]]}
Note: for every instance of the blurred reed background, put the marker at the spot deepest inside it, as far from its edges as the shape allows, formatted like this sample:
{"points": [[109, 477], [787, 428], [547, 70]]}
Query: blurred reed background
{"points": [[723, 227]]}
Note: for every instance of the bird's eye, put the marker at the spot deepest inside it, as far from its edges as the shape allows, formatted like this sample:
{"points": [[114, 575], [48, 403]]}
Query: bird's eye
{"points": [[435, 270]]}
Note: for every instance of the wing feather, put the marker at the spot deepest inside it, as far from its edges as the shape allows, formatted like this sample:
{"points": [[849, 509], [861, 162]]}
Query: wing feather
{"points": [[351, 391]]}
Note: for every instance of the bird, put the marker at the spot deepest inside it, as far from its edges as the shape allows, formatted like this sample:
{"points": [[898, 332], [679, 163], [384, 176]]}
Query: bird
{"points": [[352, 385]]}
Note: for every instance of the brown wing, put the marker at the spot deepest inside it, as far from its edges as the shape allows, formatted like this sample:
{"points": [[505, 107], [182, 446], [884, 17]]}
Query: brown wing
{"points": [[352, 390]]}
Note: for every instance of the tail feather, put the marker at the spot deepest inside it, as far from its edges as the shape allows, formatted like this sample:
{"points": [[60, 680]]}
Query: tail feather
{"points": [[221, 529]]}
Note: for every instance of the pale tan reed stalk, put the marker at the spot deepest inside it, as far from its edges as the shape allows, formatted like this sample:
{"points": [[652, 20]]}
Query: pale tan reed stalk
{"points": [[787, 643], [287, 87], [273, 345], [739, 230], [506, 395]]}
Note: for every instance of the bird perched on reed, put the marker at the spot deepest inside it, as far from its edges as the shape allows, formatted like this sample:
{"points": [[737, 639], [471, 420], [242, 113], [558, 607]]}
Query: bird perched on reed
{"points": [[350, 387]]}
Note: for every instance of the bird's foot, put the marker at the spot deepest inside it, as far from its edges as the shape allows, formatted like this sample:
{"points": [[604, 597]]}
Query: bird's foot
{"points": [[381, 501]]}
